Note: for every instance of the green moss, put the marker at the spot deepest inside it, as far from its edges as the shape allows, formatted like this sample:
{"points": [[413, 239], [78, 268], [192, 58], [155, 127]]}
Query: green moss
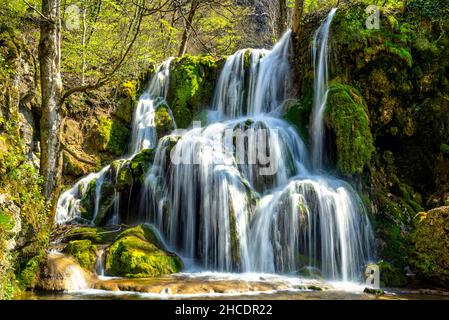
{"points": [[137, 253], [391, 276], [299, 113], [6, 222], [83, 251], [141, 163], [163, 121], [346, 114], [429, 257], [444, 148], [114, 135], [191, 86], [95, 235], [235, 245]]}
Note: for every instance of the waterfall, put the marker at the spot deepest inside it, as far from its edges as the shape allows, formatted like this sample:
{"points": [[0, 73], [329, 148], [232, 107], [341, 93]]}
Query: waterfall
{"points": [[254, 81], [320, 53], [143, 136], [143, 127], [100, 262], [242, 194], [68, 206]]}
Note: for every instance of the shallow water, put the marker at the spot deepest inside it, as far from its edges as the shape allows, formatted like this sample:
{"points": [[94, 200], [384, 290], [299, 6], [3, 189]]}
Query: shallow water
{"points": [[223, 286]]}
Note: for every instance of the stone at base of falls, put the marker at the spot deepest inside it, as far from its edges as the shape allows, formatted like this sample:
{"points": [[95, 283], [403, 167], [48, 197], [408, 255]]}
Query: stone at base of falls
{"points": [[376, 292], [429, 258], [310, 272], [137, 253], [63, 273], [83, 251]]}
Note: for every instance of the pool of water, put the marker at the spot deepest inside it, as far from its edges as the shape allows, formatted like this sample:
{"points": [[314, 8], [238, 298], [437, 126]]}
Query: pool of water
{"points": [[213, 285]]}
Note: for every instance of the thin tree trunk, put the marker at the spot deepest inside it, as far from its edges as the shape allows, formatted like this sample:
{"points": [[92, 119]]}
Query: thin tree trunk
{"points": [[281, 23], [297, 16], [83, 43], [51, 88], [188, 25]]}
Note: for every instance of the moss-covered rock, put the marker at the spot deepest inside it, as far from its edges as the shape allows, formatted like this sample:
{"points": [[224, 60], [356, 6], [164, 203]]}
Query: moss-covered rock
{"points": [[109, 135], [83, 251], [141, 162], [163, 121], [347, 115], [95, 235], [429, 257], [137, 253], [391, 276], [192, 80]]}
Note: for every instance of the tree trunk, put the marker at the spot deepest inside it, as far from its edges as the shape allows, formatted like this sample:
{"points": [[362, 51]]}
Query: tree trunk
{"points": [[188, 26], [297, 16], [51, 87], [281, 23]]}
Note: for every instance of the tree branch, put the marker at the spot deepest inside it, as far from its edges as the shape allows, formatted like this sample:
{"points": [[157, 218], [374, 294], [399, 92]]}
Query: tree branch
{"points": [[107, 77], [37, 11]]}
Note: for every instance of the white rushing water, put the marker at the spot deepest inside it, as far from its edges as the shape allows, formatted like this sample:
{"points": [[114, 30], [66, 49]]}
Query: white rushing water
{"points": [[143, 137], [320, 53], [243, 194]]}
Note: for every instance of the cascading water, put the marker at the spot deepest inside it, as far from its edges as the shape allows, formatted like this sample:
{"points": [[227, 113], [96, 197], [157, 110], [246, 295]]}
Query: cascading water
{"points": [[241, 194], [320, 53], [143, 136]]}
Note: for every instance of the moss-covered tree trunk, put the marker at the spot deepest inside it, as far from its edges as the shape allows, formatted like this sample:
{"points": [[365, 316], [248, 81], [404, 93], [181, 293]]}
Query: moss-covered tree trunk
{"points": [[51, 88]]}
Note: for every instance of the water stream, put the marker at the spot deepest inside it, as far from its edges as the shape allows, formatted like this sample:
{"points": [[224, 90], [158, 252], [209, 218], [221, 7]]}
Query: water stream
{"points": [[243, 193]]}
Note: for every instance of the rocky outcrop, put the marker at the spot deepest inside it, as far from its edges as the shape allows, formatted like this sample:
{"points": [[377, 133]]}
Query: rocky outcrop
{"points": [[138, 253], [63, 273], [429, 256]]}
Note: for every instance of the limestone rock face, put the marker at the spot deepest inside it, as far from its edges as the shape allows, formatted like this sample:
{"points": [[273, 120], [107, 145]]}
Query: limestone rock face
{"points": [[63, 273]]}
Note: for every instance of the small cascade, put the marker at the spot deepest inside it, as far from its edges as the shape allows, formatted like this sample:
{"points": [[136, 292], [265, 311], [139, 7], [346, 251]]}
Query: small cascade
{"points": [[317, 222], [75, 279], [100, 262], [254, 81], [68, 206], [144, 133], [143, 136], [320, 53]]}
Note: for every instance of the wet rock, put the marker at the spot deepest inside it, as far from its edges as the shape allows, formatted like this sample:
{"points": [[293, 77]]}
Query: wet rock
{"points": [[138, 253], [63, 273]]}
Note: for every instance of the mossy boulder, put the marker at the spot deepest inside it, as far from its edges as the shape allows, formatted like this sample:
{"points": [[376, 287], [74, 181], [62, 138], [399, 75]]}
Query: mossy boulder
{"points": [[127, 101], [95, 235], [141, 162], [390, 276], [109, 135], [429, 257], [105, 201], [346, 115], [163, 121], [83, 251], [138, 253], [192, 81]]}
